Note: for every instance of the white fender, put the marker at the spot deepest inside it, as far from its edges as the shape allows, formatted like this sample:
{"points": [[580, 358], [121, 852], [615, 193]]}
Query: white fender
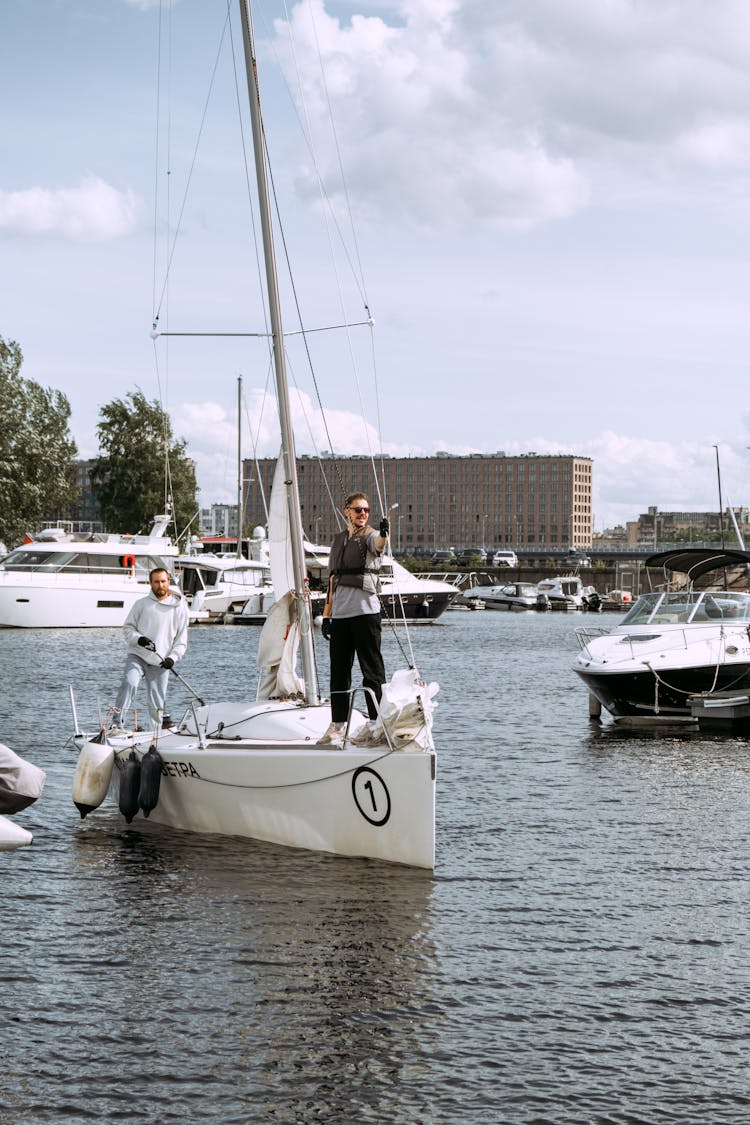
{"points": [[92, 777], [12, 835]]}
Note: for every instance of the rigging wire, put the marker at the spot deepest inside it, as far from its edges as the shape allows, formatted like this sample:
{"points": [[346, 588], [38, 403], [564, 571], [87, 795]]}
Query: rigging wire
{"points": [[178, 228], [355, 243], [331, 219], [160, 298]]}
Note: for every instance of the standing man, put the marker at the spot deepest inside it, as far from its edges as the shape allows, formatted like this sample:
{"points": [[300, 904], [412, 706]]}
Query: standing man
{"points": [[351, 617], [156, 635]]}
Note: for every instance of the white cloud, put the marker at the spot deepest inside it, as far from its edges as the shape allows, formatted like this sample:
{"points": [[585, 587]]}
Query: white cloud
{"points": [[630, 473], [509, 114], [722, 143], [147, 5], [211, 434], [94, 210]]}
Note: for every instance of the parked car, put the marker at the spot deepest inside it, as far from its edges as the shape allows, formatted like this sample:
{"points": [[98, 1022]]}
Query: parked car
{"points": [[472, 555], [578, 558], [443, 557], [505, 558]]}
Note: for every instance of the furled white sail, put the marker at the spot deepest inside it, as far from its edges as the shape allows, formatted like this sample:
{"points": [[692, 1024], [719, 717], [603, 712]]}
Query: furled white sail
{"points": [[279, 537], [279, 639]]}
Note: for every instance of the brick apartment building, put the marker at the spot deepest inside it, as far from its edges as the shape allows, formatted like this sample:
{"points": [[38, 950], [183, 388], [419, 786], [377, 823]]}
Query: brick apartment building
{"points": [[482, 500]]}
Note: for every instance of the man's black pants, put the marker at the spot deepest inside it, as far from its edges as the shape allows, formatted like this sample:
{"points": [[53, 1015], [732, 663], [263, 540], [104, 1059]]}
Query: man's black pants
{"points": [[350, 636]]}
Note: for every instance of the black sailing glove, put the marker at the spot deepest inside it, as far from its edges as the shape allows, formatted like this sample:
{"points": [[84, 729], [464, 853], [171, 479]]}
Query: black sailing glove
{"points": [[385, 527], [144, 642], [326, 628]]}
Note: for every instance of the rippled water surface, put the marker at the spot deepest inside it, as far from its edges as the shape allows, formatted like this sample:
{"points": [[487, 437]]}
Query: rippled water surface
{"points": [[580, 955]]}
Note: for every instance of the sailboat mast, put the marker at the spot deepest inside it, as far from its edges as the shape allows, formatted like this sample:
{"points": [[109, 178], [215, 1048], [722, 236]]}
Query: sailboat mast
{"points": [[282, 387], [239, 466]]}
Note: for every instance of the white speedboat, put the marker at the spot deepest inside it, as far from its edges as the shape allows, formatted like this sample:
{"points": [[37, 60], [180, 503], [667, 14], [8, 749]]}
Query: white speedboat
{"points": [[261, 769], [510, 596], [567, 593], [71, 580], [674, 643]]}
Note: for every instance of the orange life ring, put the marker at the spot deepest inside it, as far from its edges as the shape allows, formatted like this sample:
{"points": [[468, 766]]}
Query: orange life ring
{"points": [[128, 562]]}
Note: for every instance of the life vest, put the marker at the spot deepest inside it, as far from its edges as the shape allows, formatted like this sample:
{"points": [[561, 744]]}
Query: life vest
{"points": [[351, 564]]}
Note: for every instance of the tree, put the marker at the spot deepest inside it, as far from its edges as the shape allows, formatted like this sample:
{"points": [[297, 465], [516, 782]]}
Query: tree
{"points": [[140, 462], [37, 451]]}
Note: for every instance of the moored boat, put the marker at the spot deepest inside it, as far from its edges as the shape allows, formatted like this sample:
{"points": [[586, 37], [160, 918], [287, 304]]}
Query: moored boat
{"points": [[71, 580], [218, 584], [517, 596], [673, 644], [404, 597], [408, 597], [567, 593]]}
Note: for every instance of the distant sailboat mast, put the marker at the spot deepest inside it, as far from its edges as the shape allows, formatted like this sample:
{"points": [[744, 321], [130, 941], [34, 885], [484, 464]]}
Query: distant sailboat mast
{"points": [[239, 467], [721, 502], [288, 453]]}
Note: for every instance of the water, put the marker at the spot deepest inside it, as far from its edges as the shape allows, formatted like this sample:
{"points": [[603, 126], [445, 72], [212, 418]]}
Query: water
{"points": [[580, 954]]}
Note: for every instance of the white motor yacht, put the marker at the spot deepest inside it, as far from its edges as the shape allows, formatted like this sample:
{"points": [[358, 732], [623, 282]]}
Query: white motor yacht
{"points": [[71, 580]]}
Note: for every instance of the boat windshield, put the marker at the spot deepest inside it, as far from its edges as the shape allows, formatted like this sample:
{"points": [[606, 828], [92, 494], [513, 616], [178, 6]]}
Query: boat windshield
{"points": [[38, 560], [79, 562], [682, 607]]}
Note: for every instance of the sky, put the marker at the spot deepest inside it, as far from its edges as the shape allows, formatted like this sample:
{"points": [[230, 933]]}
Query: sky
{"points": [[542, 205]]}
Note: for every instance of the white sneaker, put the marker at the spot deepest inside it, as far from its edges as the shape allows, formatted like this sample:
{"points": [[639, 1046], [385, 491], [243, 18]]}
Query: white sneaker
{"points": [[118, 732], [334, 736]]}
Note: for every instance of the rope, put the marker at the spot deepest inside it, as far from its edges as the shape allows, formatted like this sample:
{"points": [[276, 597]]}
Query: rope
{"points": [[660, 681]]}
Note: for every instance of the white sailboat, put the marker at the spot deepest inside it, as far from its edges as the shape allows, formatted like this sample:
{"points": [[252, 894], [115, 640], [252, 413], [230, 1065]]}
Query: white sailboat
{"points": [[256, 769]]}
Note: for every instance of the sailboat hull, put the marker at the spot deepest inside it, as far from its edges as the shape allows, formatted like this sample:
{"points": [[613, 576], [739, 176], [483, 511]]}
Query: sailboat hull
{"points": [[415, 607], [351, 802]]}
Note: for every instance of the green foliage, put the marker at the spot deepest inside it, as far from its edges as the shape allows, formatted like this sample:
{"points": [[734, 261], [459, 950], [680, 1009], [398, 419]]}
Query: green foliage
{"points": [[138, 454], [37, 474], [420, 564]]}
